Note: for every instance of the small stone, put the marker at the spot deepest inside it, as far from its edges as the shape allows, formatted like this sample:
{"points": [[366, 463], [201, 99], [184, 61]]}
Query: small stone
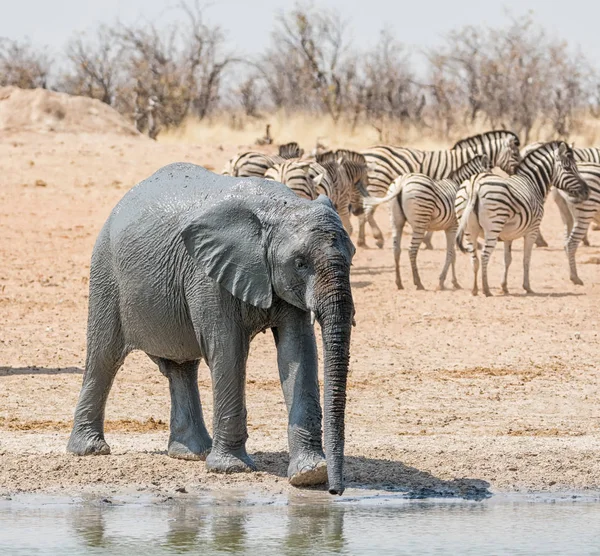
{"points": [[40, 183], [181, 489]]}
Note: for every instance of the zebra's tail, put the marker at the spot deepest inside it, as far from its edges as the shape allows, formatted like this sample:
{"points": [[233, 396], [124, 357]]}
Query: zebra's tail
{"points": [[369, 203], [472, 188]]}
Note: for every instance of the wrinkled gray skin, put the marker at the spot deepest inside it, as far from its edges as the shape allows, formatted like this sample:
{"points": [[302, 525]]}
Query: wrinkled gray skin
{"points": [[191, 265]]}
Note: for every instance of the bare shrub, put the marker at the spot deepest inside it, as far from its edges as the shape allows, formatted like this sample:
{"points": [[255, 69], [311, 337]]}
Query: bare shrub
{"points": [[21, 65]]}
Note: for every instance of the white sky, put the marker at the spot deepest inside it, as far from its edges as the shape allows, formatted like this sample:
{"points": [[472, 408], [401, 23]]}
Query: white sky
{"points": [[248, 22]]}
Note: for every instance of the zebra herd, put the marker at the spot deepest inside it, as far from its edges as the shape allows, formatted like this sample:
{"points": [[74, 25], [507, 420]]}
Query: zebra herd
{"points": [[454, 190]]}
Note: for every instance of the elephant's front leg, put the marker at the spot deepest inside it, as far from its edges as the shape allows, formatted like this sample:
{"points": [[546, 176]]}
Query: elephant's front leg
{"points": [[189, 438], [297, 361], [227, 353]]}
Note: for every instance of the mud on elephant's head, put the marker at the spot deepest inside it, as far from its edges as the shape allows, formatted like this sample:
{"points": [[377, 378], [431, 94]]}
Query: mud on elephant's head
{"points": [[260, 248]]}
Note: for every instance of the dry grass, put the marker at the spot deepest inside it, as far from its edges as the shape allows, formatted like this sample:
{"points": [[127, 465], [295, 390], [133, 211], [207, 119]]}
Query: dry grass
{"points": [[236, 129]]}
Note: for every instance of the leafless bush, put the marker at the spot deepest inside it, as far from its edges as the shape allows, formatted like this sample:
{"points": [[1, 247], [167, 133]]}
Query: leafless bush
{"points": [[22, 65], [307, 67], [95, 66], [514, 77]]}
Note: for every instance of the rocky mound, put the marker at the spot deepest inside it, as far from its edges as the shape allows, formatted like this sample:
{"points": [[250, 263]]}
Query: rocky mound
{"points": [[48, 111]]}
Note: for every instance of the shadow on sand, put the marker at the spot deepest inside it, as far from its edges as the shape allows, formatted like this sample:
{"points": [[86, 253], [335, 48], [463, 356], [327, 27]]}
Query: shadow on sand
{"points": [[389, 476]]}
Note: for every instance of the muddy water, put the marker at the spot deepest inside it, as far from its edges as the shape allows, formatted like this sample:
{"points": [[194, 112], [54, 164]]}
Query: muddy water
{"points": [[311, 523]]}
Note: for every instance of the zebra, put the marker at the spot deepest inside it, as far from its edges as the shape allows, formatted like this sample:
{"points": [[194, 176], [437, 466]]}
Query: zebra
{"points": [[428, 204], [346, 187], [511, 208], [577, 217], [586, 154], [290, 151], [255, 164], [386, 163], [295, 175]]}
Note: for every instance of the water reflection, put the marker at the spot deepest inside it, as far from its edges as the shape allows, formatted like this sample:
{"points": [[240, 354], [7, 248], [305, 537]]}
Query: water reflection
{"points": [[310, 526], [323, 525]]}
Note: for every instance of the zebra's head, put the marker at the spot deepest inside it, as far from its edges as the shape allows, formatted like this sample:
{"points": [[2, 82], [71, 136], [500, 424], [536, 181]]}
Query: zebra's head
{"points": [[508, 156], [566, 174]]}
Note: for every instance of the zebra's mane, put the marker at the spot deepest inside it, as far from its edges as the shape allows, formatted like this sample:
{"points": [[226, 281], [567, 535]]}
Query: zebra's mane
{"points": [[545, 146], [494, 134], [351, 156], [290, 150]]}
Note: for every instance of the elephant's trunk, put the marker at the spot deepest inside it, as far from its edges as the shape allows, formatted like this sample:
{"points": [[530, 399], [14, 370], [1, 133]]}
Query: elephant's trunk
{"points": [[335, 313]]}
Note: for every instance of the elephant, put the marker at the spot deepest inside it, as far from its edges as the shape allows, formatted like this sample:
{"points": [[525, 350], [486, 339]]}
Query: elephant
{"points": [[190, 266]]}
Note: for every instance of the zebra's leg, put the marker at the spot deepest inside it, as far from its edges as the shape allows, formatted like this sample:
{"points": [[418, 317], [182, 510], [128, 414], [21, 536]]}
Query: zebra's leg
{"points": [[565, 213], [415, 243], [540, 241], [507, 261], [450, 259], [529, 241], [475, 264], [427, 241], [345, 218], [361, 230], [490, 244], [577, 233], [398, 221], [377, 233]]}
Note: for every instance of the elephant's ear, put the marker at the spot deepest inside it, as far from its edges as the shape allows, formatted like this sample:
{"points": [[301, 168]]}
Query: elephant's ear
{"points": [[227, 242]]}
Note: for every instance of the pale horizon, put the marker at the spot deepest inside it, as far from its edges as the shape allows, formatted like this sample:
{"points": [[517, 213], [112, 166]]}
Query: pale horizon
{"points": [[248, 26]]}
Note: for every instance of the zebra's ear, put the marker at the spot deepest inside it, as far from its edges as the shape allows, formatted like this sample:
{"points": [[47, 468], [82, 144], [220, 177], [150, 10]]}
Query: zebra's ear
{"points": [[563, 149], [318, 179]]}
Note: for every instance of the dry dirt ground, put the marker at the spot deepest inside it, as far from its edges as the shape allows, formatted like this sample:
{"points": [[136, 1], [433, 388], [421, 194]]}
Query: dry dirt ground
{"points": [[447, 392]]}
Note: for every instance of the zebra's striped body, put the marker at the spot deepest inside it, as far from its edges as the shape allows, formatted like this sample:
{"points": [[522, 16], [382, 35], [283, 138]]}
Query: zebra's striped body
{"points": [[587, 154], [428, 205], [255, 164], [386, 163], [295, 175], [511, 208], [578, 216], [251, 164]]}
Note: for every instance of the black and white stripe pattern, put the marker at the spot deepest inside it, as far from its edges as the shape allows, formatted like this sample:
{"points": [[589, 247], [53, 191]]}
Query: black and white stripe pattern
{"points": [[578, 216], [255, 164], [295, 175], [251, 164], [587, 154], [510, 208], [428, 205], [386, 163]]}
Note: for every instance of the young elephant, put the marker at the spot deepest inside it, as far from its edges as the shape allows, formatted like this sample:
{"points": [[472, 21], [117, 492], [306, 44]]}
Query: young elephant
{"points": [[192, 265]]}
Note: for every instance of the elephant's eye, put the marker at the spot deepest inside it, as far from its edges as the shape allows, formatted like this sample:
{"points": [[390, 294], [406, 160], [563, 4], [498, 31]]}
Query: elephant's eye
{"points": [[300, 264]]}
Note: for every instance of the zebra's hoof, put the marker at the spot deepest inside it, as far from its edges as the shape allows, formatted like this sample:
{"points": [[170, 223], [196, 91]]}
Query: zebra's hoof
{"points": [[456, 286], [379, 243], [441, 287], [577, 281], [488, 294], [504, 290], [420, 287], [529, 291], [474, 292]]}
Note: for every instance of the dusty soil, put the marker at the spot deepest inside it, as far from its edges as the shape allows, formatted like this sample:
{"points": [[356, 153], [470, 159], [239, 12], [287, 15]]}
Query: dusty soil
{"points": [[447, 392]]}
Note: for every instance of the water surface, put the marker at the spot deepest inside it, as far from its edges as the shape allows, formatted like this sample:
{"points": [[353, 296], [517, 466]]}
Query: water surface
{"points": [[312, 523]]}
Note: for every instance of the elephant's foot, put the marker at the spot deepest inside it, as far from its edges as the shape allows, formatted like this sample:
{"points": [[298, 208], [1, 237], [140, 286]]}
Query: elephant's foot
{"points": [[308, 470], [238, 462], [192, 448], [87, 444]]}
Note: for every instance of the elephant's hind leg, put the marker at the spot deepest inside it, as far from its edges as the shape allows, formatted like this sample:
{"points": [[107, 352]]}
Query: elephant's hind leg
{"points": [[189, 438], [106, 351]]}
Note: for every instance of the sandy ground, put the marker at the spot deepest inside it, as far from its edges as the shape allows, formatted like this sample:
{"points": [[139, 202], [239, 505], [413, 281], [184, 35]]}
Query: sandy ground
{"points": [[448, 393]]}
